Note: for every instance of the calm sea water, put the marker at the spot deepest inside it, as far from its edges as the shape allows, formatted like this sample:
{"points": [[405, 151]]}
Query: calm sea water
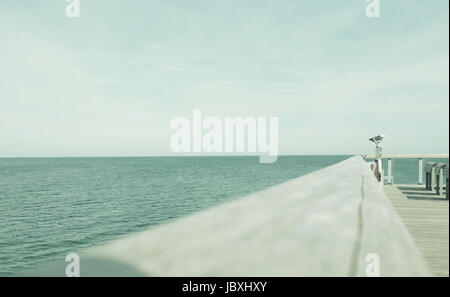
{"points": [[52, 206]]}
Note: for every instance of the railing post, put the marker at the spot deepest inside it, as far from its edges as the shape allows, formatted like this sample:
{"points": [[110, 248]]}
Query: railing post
{"points": [[420, 171], [433, 178], [441, 180], [390, 179], [390, 167], [446, 183]]}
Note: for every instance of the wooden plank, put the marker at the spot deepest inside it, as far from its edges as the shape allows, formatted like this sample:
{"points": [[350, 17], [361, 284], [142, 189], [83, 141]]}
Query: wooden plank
{"points": [[426, 216]]}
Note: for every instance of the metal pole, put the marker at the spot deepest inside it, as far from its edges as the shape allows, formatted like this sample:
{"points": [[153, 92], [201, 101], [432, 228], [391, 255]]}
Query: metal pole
{"points": [[420, 171]]}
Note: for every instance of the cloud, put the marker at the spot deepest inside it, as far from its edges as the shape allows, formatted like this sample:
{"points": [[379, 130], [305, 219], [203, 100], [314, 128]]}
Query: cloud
{"points": [[109, 83]]}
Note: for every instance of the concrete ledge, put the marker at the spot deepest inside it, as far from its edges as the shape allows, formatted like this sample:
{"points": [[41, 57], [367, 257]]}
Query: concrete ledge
{"points": [[322, 224]]}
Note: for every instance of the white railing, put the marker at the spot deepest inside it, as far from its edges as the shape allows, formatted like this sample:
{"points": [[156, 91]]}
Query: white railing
{"points": [[419, 157]]}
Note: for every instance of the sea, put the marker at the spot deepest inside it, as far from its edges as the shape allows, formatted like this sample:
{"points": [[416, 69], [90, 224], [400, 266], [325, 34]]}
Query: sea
{"points": [[50, 207]]}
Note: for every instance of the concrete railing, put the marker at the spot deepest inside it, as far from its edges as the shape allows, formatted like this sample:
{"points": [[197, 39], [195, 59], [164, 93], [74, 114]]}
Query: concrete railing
{"points": [[334, 222]]}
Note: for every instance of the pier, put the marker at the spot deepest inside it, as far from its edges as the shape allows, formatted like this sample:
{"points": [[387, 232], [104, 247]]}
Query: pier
{"points": [[425, 215], [337, 221]]}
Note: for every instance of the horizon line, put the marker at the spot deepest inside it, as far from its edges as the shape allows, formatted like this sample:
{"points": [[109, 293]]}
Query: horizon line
{"points": [[167, 156], [183, 156]]}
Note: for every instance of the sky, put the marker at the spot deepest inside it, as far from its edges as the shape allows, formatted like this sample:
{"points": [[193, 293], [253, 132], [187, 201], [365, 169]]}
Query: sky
{"points": [[110, 82]]}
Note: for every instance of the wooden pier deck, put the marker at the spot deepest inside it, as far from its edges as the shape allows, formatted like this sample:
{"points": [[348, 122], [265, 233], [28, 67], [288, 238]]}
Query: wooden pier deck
{"points": [[425, 215]]}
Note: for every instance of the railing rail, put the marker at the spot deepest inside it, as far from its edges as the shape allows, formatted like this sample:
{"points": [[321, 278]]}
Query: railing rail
{"points": [[412, 156], [419, 157]]}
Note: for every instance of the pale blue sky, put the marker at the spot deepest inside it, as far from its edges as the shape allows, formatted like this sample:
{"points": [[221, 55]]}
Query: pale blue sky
{"points": [[110, 82]]}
